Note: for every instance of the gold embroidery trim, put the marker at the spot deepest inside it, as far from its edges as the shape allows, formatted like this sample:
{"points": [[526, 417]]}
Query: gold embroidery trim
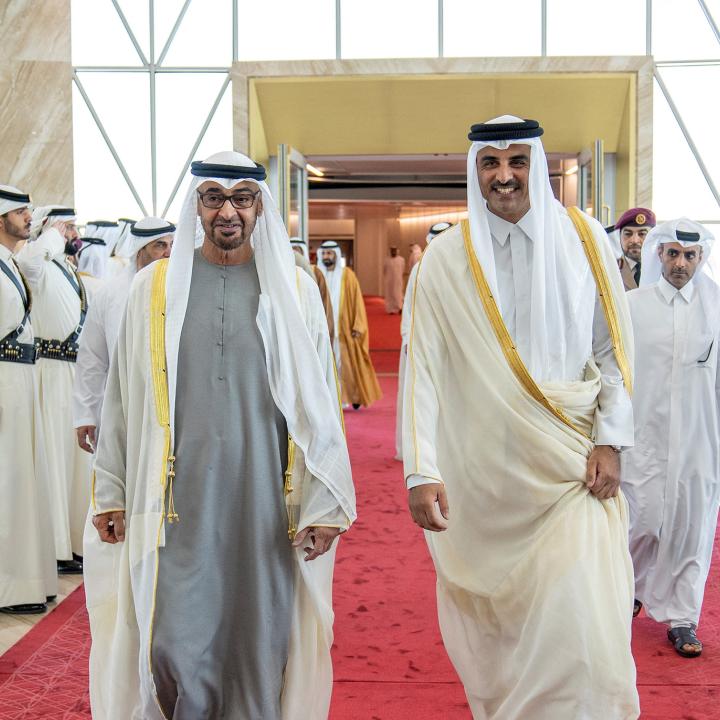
{"points": [[607, 300], [503, 336], [162, 411], [289, 489]]}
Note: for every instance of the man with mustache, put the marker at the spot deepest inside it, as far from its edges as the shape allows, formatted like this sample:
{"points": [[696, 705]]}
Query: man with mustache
{"points": [[222, 477], [60, 305], [671, 475], [351, 343], [632, 228], [27, 553], [516, 407]]}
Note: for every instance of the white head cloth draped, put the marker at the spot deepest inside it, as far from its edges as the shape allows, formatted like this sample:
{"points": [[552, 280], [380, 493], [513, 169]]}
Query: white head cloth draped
{"points": [[296, 378], [297, 242], [12, 199], [93, 258], [562, 292], [667, 232], [145, 231], [41, 216], [124, 227]]}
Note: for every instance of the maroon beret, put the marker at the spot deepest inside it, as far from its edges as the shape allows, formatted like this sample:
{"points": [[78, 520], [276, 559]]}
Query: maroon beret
{"points": [[636, 217]]}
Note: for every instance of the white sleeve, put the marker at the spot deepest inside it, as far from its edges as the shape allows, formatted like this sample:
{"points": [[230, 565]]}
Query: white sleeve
{"points": [[34, 256], [91, 370]]}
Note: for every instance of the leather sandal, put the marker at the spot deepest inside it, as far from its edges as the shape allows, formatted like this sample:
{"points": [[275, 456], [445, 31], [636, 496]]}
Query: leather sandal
{"points": [[681, 636]]}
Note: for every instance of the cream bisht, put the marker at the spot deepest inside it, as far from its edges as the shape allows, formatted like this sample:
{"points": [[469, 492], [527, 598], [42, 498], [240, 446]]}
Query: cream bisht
{"points": [[135, 458]]}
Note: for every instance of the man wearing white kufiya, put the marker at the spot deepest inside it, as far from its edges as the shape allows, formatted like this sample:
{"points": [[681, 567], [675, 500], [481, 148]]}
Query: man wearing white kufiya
{"points": [[436, 229], [150, 239], [517, 407], [60, 306], [221, 412], [28, 574], [672, 475]]}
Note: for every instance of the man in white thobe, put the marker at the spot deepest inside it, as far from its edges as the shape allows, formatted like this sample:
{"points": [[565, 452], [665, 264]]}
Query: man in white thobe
{"points": [[393, 269], [150, 239], [60, 306], [221, 411], [28, 578], [672, 476], [435, 230], [517, 397]]}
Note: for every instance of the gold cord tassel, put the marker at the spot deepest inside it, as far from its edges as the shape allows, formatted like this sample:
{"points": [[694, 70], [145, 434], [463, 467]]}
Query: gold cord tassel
{"points": [[172, 516], [292, 529]]}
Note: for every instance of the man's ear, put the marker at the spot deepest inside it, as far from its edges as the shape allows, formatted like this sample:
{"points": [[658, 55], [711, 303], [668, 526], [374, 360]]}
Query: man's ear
{"points": [[660, 249], [260, 206]]}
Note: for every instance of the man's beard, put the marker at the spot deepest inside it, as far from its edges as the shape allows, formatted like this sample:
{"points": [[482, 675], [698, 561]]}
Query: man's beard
{"points": [[328, 263], [228, 243], [19, 232], [72, 247]]}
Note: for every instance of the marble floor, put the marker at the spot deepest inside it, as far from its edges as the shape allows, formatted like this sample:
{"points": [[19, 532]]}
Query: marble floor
{"points": [[14, 627]]}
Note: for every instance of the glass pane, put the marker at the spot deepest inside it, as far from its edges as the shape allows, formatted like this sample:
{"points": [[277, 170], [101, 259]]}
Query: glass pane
{"points": [[681, 32], [679, 187], [100, 189], [122, 101], [166, 13], [204, 38], [377, 28], [137, 13], [464, 20], [296, 192], [183, 101], [301, 35], [218, 137], [610, 27], [112, 46], [686, 85]]}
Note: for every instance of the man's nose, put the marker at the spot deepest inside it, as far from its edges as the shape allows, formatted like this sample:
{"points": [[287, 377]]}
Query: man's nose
{"points": [[227, 211], [504, 174]]}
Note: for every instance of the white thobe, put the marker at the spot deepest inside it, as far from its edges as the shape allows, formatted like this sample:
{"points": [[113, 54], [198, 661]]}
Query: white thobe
{"points": [[56, 313], [393, 270], [27, 553], [672, 476], [405, 323], [98, 342]]}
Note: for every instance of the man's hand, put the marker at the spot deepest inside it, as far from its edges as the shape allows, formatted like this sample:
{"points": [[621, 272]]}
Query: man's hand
{"points": [[110, 526], [356, 333], [603, 472], [429, 506], [86, 437], [322, 539], [59, 225]]}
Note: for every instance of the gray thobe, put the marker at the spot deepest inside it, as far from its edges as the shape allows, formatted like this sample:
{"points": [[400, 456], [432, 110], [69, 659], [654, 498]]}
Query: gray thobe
{"points": [[225, 587]]}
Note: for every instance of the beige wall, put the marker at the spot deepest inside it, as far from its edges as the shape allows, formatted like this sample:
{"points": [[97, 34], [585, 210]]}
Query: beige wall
{"points": [[36, 148]]}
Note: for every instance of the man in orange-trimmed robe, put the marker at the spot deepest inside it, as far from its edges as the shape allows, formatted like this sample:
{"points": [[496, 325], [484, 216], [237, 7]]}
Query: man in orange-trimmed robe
{"points": [[351, 343]]}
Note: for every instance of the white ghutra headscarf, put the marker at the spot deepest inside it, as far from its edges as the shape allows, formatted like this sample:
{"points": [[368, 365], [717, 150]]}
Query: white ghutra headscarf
{"points": [[297, 381], [690, 233], [563, 291]]}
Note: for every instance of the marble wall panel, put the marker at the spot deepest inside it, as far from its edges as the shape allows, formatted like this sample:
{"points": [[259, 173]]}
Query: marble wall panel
{"points": [[36, 139]]}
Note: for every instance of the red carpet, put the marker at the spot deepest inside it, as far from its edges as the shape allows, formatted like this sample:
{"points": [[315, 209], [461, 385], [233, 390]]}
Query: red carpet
{"points": [[389, 660]]}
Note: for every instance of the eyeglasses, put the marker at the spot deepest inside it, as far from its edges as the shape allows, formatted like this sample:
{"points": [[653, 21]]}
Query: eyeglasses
{"points": [[240, 201]]}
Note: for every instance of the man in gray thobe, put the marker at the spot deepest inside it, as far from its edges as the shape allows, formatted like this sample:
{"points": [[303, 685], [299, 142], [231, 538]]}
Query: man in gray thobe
{"points": [[246, 347]]}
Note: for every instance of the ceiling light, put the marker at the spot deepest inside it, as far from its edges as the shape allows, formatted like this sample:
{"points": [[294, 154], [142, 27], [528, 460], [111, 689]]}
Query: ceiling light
{"points": [[312, 169], [572, 170]]}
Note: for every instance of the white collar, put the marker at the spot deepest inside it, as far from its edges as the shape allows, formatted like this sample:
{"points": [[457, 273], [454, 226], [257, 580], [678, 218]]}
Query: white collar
{"points": [[631, 263], [669, 291], [5, 253], [500, 229]]}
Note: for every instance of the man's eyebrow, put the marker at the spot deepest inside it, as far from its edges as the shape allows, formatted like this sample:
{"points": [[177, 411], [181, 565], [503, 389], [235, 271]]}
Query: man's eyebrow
{"points": [[521, 156]]}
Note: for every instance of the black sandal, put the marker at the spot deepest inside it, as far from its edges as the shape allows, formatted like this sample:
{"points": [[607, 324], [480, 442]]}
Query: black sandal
{"points": [[637, 607], [681, 636]]}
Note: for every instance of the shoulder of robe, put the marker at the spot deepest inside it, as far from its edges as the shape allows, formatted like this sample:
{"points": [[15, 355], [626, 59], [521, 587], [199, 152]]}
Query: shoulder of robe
{"points": [[143, 279], [442, 251]]}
